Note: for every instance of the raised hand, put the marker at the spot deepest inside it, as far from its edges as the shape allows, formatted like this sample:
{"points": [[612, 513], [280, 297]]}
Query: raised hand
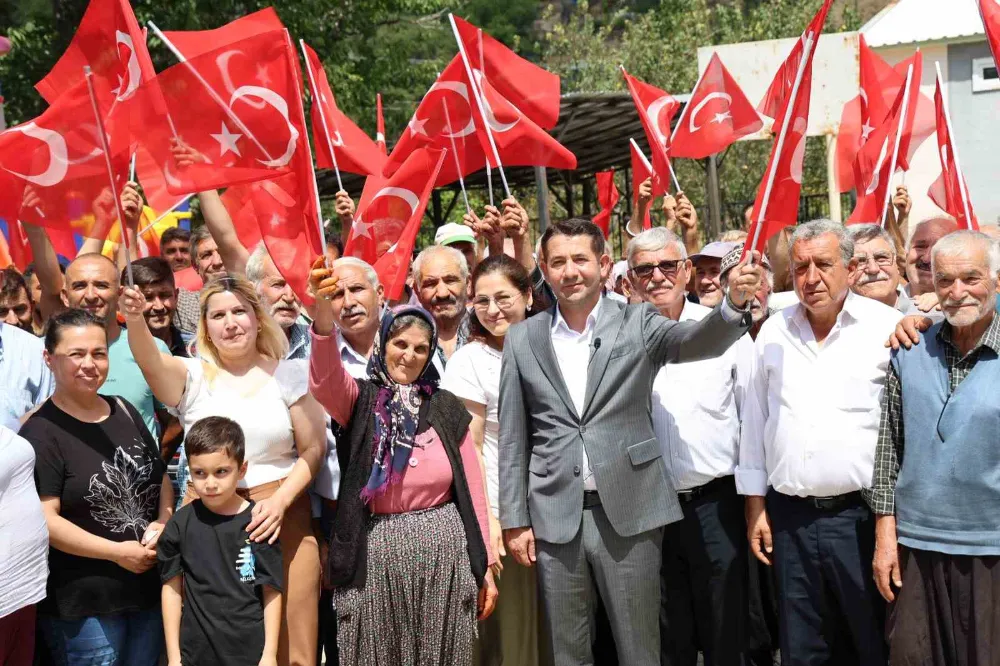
{"points": [[132, 304], [744, 281]]}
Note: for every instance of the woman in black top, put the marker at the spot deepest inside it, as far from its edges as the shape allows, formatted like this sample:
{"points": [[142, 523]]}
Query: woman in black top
{"points": [[106, 499]]}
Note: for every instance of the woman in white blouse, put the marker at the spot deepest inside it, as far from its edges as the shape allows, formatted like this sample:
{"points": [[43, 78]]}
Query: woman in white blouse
{"points": [[501, 297], [241, 375]]}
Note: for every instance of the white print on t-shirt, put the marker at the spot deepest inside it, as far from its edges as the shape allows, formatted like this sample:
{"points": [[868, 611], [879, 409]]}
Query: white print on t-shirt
{"points": [[119, 504], [245, 564]]}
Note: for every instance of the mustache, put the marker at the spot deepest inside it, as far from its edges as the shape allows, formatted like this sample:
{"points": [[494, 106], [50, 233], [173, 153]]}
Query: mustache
{"points": [[444, 300], [881, 276], [283, 305], [923, 265], [952, 303], [353, 310]]}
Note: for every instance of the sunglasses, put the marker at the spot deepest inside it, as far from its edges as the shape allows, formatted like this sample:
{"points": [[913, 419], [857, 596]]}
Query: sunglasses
{"points": [[667, 268]]}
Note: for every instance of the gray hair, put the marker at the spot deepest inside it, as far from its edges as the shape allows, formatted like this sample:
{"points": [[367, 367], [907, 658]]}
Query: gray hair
{"points": [[365, 267], [958, 243], [404, 322], [812, 230], [948, 222], [654, 240], [863, 233], [197, 236], [255, 263], [440, 250]]}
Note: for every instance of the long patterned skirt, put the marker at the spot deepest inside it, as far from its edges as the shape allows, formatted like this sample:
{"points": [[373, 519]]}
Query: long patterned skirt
{"points": [[418, 605]]}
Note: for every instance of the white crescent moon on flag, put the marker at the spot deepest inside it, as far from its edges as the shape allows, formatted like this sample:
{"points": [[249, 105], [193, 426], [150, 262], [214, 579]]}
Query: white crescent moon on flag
{"points": [[58, 158], [708, 98], [222, 61], [96, 152], [171, 180], [872, 186], [406, 195], [491, 118], [653, 112], [281, 106], [132, 70], [798, 156], [463, 91], [337, 139]]}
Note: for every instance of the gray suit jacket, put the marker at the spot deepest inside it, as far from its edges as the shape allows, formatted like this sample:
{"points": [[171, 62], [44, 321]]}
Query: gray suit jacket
{"points": [[542, 437]]}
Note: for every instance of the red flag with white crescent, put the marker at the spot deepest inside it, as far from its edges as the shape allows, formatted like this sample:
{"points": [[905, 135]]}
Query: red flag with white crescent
{"points": [[989, 10], [950, 192], [193, 43], [607, 197], [717, 114], [656, 110]]}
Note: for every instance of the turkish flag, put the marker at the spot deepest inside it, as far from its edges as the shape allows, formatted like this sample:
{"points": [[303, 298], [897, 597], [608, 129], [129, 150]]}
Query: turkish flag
{"points": [[239, 205], [192, 43], [717, 114], [656, 109], [154, 185], [641, 170], [989, 10], [379, 125], [848, 143], [54, 170], [240, 117], [356, 152], [607, 197], [950, 192], [909, 140], [533, 90], [445, 119], [15, 250], [386, 206], [110, 41], [777, 205]]}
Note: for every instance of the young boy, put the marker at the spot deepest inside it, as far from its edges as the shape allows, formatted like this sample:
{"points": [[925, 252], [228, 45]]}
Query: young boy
{"points": [[232, 586]]}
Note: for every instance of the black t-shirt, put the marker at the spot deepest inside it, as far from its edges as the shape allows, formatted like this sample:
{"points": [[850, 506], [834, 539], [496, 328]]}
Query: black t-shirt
{"points": [[224, 573], [107, 477]]}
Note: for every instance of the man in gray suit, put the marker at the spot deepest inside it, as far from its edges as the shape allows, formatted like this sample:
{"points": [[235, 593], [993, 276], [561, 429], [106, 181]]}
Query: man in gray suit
{"points": [[584, 492]]}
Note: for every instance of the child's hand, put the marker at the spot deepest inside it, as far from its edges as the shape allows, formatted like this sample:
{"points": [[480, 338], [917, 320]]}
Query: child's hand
{"points": [[175, 663], [268, 660]]}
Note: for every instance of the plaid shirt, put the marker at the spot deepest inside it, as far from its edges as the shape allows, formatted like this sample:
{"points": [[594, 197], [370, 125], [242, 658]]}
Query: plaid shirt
{"points": [[889, 450]]}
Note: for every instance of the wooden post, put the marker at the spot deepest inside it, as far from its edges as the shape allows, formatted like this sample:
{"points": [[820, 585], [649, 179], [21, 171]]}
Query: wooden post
{"points": [[833, 190]]}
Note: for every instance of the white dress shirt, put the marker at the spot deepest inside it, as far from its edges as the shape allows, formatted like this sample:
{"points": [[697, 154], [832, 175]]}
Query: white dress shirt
{"points": [[327, 482], [696, 411], [811, 419], [573, 351]]}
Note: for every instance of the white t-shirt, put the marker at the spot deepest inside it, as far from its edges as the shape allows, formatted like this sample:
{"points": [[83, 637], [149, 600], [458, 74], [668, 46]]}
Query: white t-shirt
{"points": [[473, 373], [259, 404], [24, 537]]}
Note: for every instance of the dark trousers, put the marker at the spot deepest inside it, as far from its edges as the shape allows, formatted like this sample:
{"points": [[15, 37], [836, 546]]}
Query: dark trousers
{"points": [[828, 607], [948, 611], [703, 580], [327, 615], [17, 637]]}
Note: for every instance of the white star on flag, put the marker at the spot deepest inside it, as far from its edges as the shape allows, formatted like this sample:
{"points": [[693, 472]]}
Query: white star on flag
{"points": [[360, 228], [263, 78], [720, 117], [417, 126], [121, 85], [227, 141], [866, 129]]}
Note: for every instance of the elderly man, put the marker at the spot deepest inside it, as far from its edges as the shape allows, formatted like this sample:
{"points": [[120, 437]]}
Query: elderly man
{"points": [[935, 489], [277, 297], [707, 268], [810, 424], [696, 417], [16, 307], [584, 489], [759, 310], [918, 263], [460, 237], [441, 282], [876, 275]]}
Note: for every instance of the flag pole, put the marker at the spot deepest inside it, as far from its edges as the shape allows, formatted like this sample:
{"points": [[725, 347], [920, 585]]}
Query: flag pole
{"points": [[163, 215], [772, 174], [489, 180], [479, 102], [641, 154], [677, 186], [322, 114], [211, 91], [454, 151], [954, 153], [309, 160], [895, 148], [111, 172], [482, 63], [379, 122]]}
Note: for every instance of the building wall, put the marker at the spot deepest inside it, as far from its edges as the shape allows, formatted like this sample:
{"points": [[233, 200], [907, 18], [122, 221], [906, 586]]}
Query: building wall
{"points": [[973, 120]]}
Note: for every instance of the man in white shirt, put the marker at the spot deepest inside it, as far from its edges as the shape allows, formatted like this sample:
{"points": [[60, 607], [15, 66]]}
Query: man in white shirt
{"points": [[810, 424], [357, 305], [696, 410]]}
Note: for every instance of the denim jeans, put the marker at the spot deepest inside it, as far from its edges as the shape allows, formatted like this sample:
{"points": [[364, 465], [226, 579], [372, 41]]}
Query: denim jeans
{"points": [[183, 474], [134, 638]]}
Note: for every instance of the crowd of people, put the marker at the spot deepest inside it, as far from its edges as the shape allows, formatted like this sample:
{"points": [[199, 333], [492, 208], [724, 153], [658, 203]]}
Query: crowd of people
{"points": [[536, 456]]}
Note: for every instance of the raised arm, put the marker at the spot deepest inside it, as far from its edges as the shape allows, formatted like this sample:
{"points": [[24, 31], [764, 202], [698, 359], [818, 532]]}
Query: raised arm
{"points": [[50, 278], [220, 225], [344, 207], [634, 226], [165, 374], [329, 382]]}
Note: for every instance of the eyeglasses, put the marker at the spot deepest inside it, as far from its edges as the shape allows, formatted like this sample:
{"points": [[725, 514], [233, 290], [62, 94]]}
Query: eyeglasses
{"points": [[668, 267], [882, 259], [503, 301]]}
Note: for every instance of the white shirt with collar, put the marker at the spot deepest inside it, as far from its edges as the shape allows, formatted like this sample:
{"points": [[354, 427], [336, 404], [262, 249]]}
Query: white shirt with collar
{"points": [[327, 481], [696, 411], [810, 422], [573, 351]]}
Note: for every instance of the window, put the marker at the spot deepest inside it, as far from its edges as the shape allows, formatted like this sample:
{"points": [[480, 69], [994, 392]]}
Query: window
{"points": [[985, 76]]}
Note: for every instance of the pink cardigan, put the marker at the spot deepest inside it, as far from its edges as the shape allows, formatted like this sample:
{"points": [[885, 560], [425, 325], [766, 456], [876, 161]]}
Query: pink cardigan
{"points": [[427, 482]]}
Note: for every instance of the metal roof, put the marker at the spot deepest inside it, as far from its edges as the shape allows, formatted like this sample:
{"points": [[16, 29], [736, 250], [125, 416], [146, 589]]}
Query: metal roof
{"points": [[921, 21], [595, 127]]}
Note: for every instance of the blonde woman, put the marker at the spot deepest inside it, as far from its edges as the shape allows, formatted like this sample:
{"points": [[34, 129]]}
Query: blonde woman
{"points": [[241, 375]]}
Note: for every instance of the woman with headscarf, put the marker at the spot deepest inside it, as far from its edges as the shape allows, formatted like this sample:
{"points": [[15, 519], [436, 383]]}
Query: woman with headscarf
{"points": [[407, 553]]}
